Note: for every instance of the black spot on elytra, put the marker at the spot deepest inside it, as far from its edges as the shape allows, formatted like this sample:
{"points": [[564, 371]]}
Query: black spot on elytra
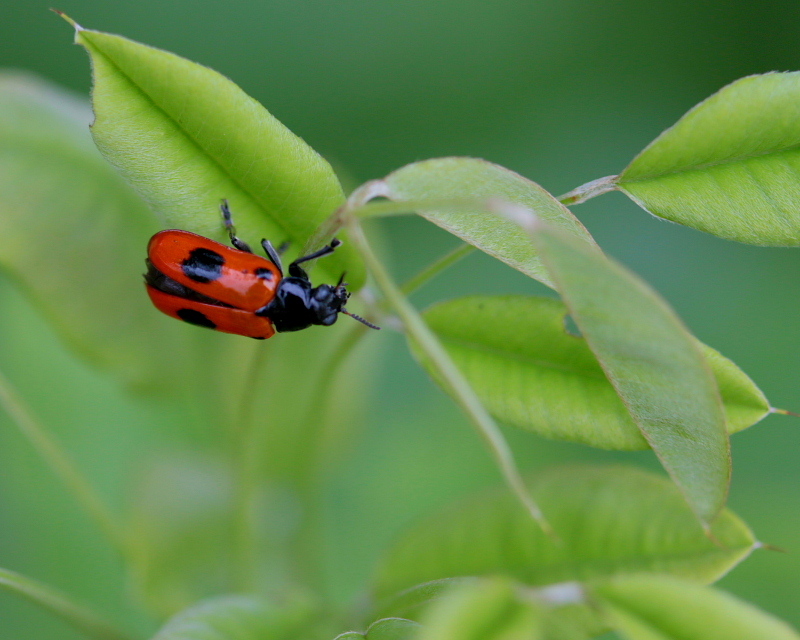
{"points": [[203, 265], [264, 273], [193, 316]]}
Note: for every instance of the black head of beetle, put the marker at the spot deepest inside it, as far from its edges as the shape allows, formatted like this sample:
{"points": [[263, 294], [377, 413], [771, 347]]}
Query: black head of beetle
{"points": [[297, 304]]}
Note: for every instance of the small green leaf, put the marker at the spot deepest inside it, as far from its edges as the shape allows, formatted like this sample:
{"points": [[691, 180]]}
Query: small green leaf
{"points": [[385, 629], [236, 618], [654, 363], [470, 178], [185, 137], [74, 236], [609, 520], [488, 609], [650, 607], [529, 371], [411, 601], [731, 165]]}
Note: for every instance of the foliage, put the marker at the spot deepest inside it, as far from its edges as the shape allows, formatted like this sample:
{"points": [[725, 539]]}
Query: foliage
{"points": [[570, 553]]}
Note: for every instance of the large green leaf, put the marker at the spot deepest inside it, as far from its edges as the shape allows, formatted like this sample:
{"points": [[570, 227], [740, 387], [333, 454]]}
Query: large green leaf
{"points": [[74, 235], [609, 520], [236, 618], [185, 137], [455, 179], [731, 165], [651, 607], [654, 363], [529, 371]]}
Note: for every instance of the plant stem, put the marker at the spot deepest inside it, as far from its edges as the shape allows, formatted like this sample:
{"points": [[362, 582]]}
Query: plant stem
{"points": [[448, 373], [79, 617], [589, 190], [247, 458], [436, 268], [62, 466]]}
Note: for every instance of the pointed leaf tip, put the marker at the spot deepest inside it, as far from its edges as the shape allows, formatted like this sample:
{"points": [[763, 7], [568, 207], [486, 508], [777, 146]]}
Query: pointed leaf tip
{"points": [[74, 24]]}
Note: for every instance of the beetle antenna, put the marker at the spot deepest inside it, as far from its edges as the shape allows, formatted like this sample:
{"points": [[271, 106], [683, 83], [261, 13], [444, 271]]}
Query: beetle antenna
{"points": [[360, 319]]}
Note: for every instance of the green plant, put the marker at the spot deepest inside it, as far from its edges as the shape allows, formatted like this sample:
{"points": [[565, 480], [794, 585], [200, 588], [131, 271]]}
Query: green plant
{"points": [[569, 554]]}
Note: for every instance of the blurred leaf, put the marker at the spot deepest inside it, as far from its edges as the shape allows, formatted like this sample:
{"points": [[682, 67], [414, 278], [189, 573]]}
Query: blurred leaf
{"points": [[488, 609], [730, 166], [182, 525], [411, 601], [235, 618], [471, 178], [185, 137], [648, 607], [654, 363], [385, 629], [60, 200], [609, 520], [529, 371]]}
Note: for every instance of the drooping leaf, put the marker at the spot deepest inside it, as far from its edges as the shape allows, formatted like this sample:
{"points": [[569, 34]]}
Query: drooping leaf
{"points": [[488, 609], [236, 618], [654, 363], [529, 371], [731, 165], [651, 607], [185, 137], [74, 235], [471, 178], [609, 520]]}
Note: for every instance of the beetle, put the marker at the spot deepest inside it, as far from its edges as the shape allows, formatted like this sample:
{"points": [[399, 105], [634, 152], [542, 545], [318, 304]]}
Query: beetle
{"points": [[233, 290]]}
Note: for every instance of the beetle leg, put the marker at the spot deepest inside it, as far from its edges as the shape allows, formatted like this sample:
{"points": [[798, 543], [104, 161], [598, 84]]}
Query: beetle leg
{"points": [[273, 254], [237, 242], [296, 271]]}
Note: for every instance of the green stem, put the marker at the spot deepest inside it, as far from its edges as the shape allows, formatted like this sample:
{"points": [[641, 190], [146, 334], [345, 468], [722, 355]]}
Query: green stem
{"points": [[79, 617], [435, 268], [247, 458], [61, 465], [589, 190], [448, 373]]}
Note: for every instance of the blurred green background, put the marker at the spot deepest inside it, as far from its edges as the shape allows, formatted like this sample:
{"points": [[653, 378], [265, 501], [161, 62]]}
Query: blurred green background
{"points": [[562, 92]]}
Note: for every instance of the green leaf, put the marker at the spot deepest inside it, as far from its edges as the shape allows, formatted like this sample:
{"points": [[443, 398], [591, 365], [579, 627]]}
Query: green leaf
{"points": [[609, 520], [411, 601], [654, 363], [385, 629], [470, 178], [651, 607], [185, 137], [74, 236], [529, 371], [489, 609], [731, 165], [236, 618]]}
